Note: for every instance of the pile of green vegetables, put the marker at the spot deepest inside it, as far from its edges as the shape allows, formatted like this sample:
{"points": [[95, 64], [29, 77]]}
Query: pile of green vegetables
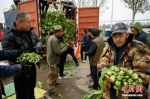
{"points": [[50, 19], [119, 76], [29, 57], [63, 46]]}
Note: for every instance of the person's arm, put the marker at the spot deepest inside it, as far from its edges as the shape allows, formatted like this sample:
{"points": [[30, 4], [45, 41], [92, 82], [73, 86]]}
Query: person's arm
{"points": [[6, 71], [55, 47], [8, 42], [92, 49], [9, 54], [141, 63], [39, 43]]}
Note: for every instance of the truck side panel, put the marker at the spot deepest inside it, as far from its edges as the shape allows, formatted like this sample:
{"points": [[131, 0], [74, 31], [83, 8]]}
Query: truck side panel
{"points": [[87, 17], [30, 7]]}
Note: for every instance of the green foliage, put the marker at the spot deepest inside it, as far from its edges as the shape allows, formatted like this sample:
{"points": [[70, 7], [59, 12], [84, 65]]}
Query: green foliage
{"points": [[39, 84], [29, 57], [50, 19]]}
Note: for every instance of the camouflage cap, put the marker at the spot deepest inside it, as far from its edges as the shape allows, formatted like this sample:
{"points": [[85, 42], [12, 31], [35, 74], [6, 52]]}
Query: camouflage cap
{"points": [[58, 27]]}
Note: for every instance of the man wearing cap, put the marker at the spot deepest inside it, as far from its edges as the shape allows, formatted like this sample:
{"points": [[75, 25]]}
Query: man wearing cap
{"points": [[53, 58], [140, 35], [96, 48], [125, 52]]}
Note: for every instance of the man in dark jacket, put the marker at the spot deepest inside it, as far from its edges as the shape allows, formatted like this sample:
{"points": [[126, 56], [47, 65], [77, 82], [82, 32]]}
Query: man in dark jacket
{"points": [[96, 48], [6, 71], [89, 32], [84, 44], [140, 35], [20, 36]]}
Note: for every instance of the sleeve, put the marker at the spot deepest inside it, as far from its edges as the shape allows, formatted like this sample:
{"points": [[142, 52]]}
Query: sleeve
{"points": [[55, 47], [6, 71], [141, 63], [92, 49], [147, 41], [8, 54], [38, 41], [104, 58], [8, 42]]}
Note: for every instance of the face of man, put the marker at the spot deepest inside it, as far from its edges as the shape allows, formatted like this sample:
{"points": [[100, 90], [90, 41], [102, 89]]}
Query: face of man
{"points": [[134, 31], [59, 34], [25, 24], [120, 39], [89, 33]]}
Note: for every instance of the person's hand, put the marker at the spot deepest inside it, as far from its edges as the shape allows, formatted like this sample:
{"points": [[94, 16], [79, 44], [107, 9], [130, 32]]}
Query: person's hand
{"points": [[108, 78], [37, 49], [67, 44], [26, 69]]}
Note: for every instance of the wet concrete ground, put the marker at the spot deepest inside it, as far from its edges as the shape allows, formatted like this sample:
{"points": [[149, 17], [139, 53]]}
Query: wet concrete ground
{"points": [[73, 88]]}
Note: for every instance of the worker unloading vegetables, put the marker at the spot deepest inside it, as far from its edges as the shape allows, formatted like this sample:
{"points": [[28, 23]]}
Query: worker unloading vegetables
{"points": [[128, 53]]}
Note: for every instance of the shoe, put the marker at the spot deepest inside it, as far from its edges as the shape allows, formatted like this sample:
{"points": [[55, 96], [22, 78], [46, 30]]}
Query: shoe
{"points": [[83, 61], [61, 77], [57, 84], [93, 87], [89, 75], [52, 94], [65, 76], [77, 64]]}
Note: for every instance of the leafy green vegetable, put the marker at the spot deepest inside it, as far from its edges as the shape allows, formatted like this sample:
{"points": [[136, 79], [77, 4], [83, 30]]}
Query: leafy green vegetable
{"points": [[70, 76], [39, 84], [112, 78], [60, 96], [134, 76], [29, 57], [44, 67], [50, 19]]}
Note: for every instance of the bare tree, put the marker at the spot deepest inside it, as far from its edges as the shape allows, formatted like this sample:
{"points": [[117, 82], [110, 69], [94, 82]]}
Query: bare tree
{"points": [[137, 6]]}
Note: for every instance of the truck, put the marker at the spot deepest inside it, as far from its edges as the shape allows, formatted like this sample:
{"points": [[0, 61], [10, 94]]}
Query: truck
{"points": [[83, 17]]}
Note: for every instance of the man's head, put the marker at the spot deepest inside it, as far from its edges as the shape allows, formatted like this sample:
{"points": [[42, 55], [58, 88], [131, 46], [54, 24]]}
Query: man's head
{"points": [[23, 21], [58, 31], [51, 32], [89, 32], [95, 32], [136, 28], [119, 34]]}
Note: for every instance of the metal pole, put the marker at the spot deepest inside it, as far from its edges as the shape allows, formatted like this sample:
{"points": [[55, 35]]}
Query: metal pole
{"points": [[112, 13]]}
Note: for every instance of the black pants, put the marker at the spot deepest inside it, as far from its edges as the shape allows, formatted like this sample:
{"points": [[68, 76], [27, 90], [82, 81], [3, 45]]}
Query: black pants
{"points": [[24, 85], [81, 52], [94, 76], [73, 56], [61, 63]]}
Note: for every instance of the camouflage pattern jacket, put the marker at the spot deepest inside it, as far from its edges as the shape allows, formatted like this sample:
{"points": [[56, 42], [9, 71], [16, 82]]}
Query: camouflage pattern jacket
{"points": [[136, 56]]}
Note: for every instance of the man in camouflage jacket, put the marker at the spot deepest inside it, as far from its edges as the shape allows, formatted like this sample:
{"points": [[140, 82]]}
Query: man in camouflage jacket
{"points": [[125, 52]]}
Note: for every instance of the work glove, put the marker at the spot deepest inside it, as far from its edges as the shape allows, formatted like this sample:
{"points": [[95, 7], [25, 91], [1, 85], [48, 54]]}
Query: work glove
{"points": [[38, 49], [26, 69]]}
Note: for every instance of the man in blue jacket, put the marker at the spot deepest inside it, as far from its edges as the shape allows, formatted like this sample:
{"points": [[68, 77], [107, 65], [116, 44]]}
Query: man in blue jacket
{"points": [[6, 71], [96, 48]]}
